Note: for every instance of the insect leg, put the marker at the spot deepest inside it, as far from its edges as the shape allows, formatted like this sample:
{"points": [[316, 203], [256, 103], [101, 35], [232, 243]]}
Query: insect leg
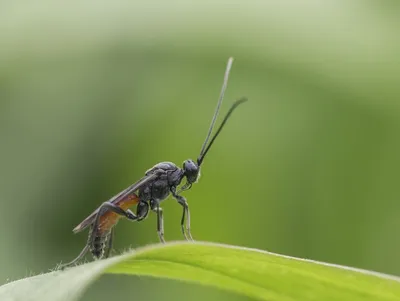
{"points": [[114, 208], [185, 214], [81, 255], [142, 210], [160, 224], [155, 206], [109, 244]]}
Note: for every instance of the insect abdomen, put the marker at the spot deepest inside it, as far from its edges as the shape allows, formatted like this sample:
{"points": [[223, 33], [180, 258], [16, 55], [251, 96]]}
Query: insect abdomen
{"points": [[99, 245]]}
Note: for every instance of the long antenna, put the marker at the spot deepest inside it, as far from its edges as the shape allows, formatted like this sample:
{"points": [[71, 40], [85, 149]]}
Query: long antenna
{"points": [[233, 107], [221, 97]]}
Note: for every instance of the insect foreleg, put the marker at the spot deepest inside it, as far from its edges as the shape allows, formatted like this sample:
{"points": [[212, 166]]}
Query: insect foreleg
{"points": [[185, 214]]}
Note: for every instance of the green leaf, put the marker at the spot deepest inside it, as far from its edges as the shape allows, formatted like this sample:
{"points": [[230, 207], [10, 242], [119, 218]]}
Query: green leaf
{"points": [[250, 272]]}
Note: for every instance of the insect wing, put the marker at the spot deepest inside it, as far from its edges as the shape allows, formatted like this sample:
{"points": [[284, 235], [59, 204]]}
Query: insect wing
{"points": [[86, 222], [115, 199]]}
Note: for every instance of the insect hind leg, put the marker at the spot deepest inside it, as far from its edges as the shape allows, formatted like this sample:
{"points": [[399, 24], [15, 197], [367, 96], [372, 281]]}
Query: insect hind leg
{"points": [[109, 244], [142, 210], [79, 257], [114, 208]]}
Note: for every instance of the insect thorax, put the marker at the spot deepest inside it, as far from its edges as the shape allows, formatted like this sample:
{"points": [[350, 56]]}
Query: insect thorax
{"points": [[159, 188]]}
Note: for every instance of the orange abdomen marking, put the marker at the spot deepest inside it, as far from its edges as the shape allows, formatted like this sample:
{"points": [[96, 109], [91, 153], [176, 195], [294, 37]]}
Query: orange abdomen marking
{"points": [[109, 219]]}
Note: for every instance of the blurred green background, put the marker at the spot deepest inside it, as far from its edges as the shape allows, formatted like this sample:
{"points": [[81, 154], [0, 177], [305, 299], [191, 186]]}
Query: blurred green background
{"points": [[94, 93]]}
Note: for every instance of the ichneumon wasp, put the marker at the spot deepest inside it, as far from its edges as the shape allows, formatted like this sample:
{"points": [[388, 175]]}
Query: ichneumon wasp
{"points": [[158, 183]]}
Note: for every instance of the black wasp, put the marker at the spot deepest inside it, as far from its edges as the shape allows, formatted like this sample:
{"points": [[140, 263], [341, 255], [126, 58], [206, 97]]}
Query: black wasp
{"points": [[158, 183]]}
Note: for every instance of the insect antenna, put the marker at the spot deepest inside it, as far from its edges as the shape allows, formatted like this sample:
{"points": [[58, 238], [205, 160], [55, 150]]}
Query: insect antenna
{"points": [[232, 108], [205, 147]]}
